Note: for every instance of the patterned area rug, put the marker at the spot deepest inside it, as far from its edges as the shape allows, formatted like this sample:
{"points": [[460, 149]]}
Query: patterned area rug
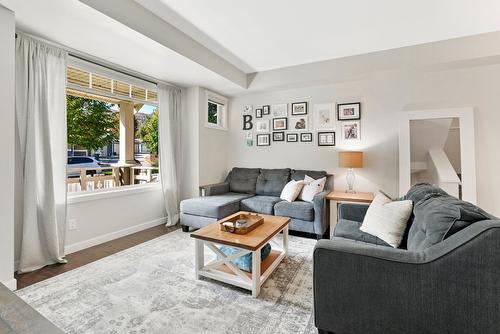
{"points": [[151, 288]]}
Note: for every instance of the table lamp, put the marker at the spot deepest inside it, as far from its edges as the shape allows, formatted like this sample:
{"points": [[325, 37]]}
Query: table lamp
{"points": [[350, 160]]}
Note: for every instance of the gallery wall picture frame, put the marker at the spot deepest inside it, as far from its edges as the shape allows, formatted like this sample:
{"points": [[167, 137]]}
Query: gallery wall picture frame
{"points": [[349, 111], [262, 125], [247, 109], [326, 138], [280, 123], [279, 136], [324, 116], [292, 137], [264, 139], [266, 110], [258, 113], [249, 138], [299, 108], [351, 131], [299, 123], [306, 137], [279, 110]]}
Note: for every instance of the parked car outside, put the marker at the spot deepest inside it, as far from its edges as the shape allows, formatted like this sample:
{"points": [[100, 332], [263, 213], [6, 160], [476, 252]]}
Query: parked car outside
{"points": [[75, 163]]}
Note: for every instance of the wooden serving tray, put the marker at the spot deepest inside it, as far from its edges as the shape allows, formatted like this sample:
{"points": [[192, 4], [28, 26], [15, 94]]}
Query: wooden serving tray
{"points": [[253, 221]]}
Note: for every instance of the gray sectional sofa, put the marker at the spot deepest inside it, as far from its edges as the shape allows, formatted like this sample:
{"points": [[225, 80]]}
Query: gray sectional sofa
{"points": [[444, 279], [258, 190]]}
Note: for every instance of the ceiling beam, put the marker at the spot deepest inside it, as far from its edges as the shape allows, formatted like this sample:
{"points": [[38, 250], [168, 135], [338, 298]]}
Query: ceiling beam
{"points": [[152, 26], [462, 52]]}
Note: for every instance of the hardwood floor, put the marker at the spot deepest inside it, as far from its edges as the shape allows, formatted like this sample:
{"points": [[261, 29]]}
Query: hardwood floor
{"points": [[92, 254]]}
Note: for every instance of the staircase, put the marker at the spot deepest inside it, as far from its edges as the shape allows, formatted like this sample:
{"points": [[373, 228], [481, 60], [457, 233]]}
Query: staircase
{"points": [[429, 161]]}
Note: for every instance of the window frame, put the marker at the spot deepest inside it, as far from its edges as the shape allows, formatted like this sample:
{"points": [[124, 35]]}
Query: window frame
{"points": [[82, 196], [100, 194], [222, 107]]}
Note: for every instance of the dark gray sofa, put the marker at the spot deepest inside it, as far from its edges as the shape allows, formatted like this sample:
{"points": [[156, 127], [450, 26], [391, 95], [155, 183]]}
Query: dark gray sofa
{"points": [[361, 285], [258, 190]]}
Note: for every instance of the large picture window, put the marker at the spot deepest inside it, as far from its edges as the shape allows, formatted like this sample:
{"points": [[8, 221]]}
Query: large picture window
{"points": [[112, 126]]}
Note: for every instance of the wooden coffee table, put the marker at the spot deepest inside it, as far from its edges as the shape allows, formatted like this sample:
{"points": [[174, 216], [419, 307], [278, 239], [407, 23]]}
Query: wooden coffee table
{"points": [[222, 269]]}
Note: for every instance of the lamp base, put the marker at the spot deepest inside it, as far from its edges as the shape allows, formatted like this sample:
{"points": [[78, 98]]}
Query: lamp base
{"points": [[350, 177]]}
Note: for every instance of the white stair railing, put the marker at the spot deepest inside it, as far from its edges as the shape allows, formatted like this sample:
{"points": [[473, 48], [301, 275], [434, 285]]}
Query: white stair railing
{"points": [[442, 173]]}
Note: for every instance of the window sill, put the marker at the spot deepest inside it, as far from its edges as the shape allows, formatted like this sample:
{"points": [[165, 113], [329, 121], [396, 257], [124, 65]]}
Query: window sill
{"points": [[113, 193], [216, 127]]}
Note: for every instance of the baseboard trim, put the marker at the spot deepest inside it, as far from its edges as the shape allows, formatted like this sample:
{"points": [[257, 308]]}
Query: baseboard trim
{"points": [[113, 235], [12, 284]]}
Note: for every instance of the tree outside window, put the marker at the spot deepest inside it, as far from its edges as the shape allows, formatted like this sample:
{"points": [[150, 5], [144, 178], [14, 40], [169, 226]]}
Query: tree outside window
{"points": [[92, 124], [148, 132], [212, 113]]}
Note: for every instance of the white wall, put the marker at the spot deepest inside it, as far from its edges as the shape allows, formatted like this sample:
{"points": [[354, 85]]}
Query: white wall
{"points": [[379, 147], [213, 156], [383, 95], [204, 150], [102, 219], [7, 167]]}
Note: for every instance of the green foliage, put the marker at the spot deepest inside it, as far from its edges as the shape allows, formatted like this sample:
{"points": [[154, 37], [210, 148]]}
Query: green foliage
{"points": [[91, 123], [212, 113], [148, 132]]}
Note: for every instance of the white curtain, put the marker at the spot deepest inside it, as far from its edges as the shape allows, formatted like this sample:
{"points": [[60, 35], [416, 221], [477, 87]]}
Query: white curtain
{"points": [[41, 122], [169, 99]]}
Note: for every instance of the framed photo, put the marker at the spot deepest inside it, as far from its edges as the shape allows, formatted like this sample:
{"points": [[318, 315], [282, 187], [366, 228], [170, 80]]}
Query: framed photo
{"points": [[349, 111], [279, 110], [299, 108], [292, 137], [324, 116], [266, 110], [264, 139], [326, 138], [262, 125], [279, 136], [300, 123], [258, 113], [247, 109], [351, 131], [280, 123], [306, 137], [249, 138]]}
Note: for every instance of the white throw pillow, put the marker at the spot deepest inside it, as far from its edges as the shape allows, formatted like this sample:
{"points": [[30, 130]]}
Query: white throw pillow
{"points": [[387, 220], [311, 188], [291, 190]]}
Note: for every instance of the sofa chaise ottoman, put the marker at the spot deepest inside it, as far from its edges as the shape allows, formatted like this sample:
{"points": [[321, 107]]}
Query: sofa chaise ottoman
{"points": [[258, 190]]}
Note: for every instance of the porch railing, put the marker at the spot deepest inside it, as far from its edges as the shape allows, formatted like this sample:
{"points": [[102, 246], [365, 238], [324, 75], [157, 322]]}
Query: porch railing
{"points": [[96, 178]]}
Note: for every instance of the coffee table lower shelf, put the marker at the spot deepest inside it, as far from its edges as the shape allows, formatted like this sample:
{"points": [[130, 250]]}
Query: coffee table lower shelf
{"points": [[222, 269]]}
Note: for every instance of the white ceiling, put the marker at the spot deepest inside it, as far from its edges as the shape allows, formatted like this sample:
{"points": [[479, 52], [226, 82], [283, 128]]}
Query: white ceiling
{"points": [[256, 35], [77, 26], [260, 35]]}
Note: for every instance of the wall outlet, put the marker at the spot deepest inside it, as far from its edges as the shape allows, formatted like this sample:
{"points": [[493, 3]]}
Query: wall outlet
{"points": [[72, 225]]}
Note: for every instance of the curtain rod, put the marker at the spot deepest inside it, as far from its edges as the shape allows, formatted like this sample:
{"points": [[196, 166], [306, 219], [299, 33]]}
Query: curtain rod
{"points": [[97, 61]]}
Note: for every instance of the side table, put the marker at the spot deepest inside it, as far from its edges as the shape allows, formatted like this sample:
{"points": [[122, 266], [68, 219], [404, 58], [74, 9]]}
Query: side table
{"points": [[338, 197]]}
